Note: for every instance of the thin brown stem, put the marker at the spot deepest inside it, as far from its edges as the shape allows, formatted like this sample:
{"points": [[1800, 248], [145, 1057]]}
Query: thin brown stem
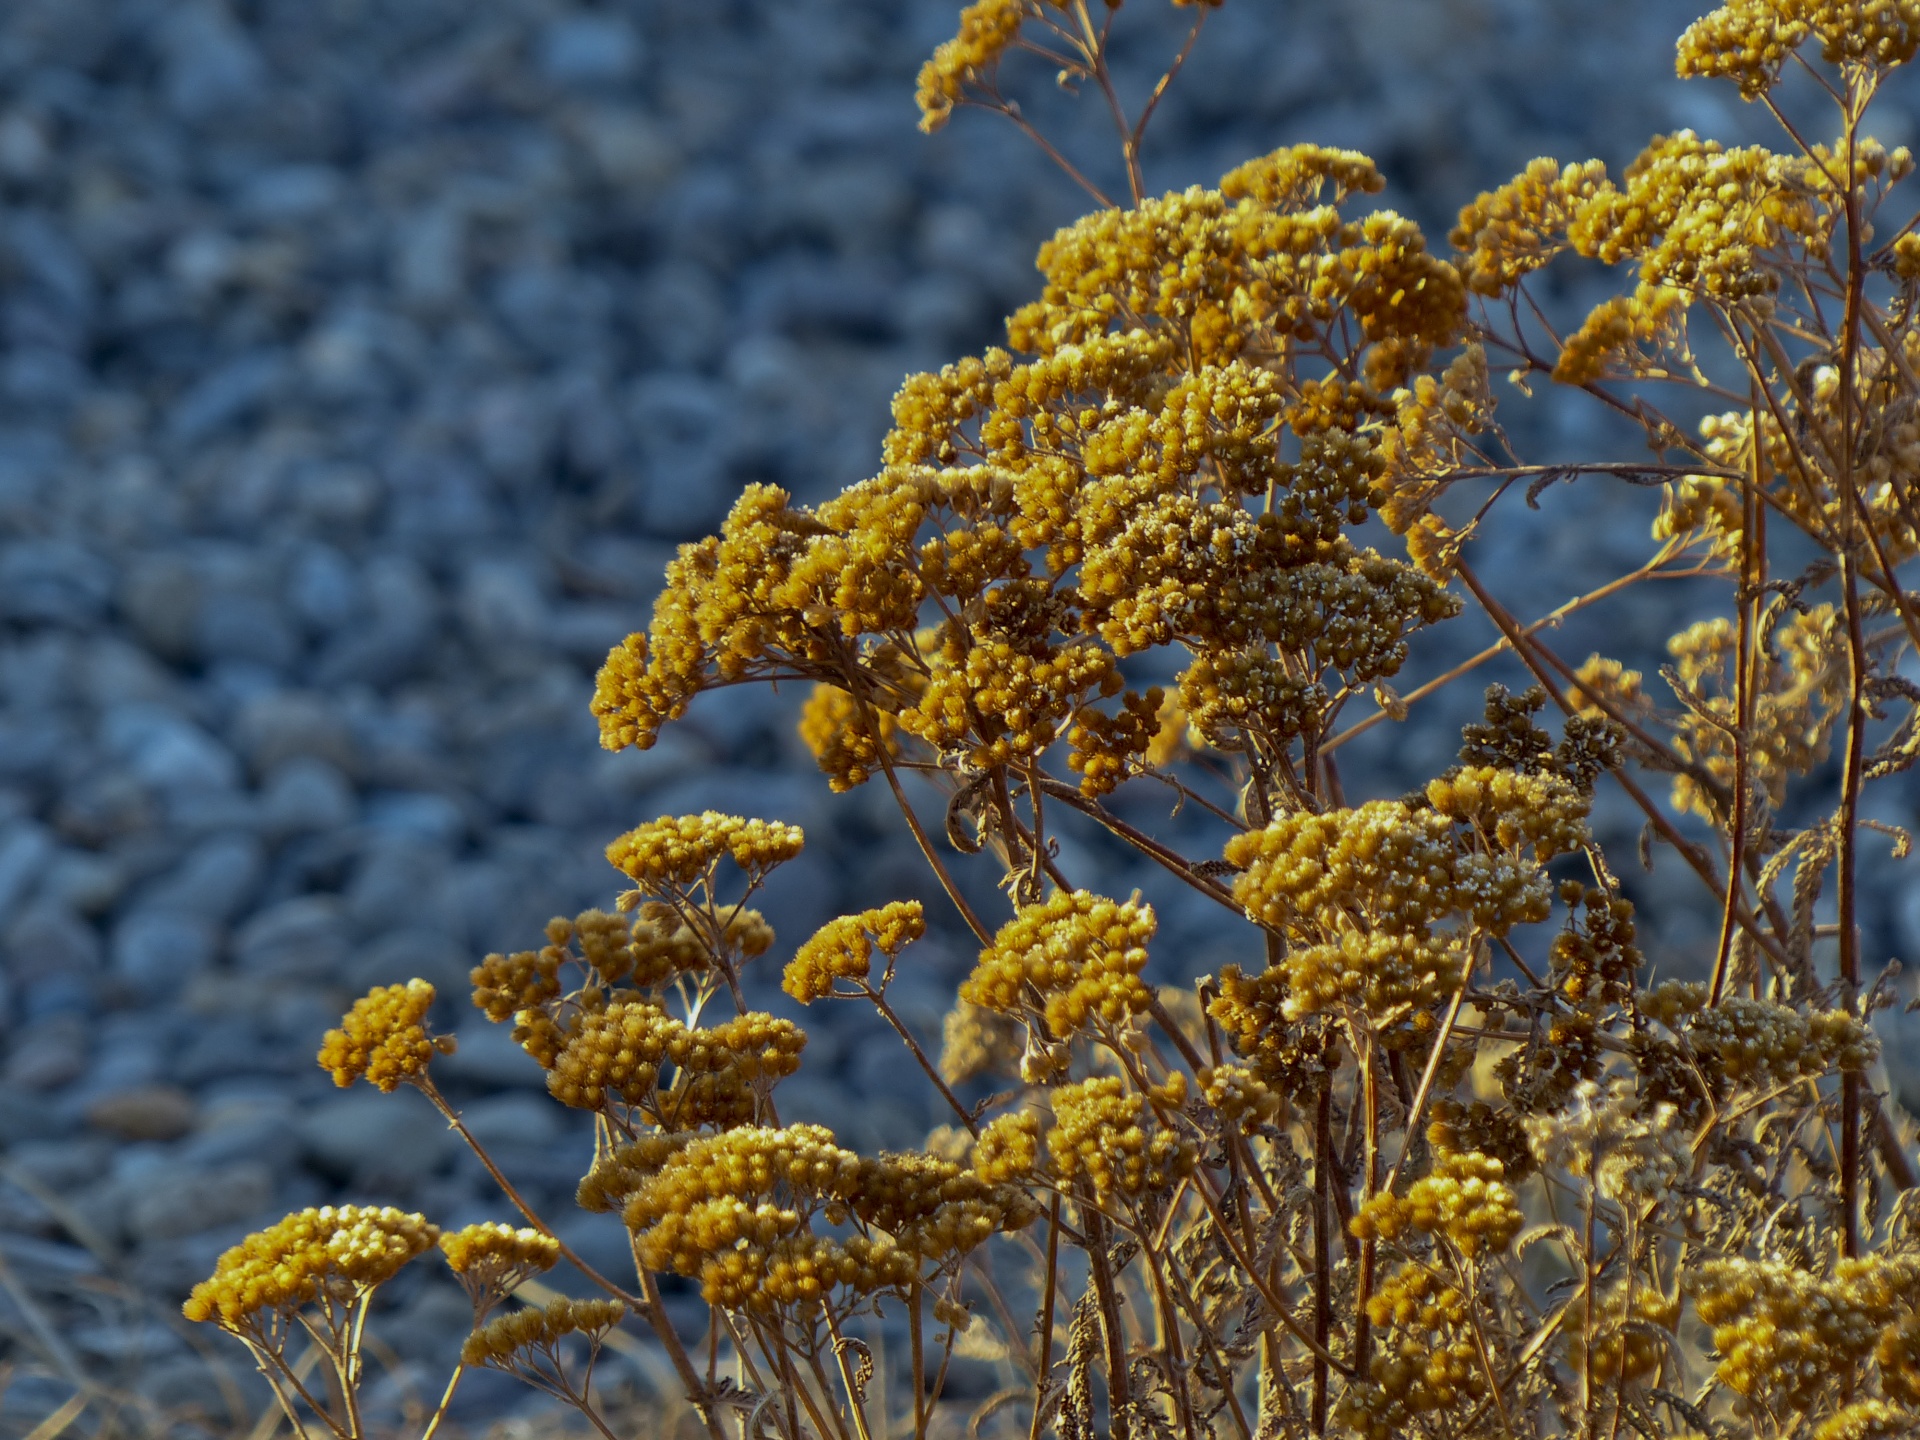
{"points": [[1043, 1356]]}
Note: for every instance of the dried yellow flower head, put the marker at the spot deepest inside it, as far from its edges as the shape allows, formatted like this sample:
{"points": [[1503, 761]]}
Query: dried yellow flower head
{"points": [[976, 1041], [491, 1259], [1465, 1198], [677, 853], [1785, 1334], [843, 743], [329, 1255], [1748, 41], [1869, 1420], [1008, 1150], [622, 701], [384, 1037], [842, 949], [1104, 1136], [1510, 232], [504, 1342], [1082, 954], [987, 29]]}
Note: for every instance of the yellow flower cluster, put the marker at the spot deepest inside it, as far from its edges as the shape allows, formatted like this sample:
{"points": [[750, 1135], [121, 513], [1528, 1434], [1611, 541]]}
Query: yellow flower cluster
{"points": [[506, 984], [1238, 1095], [842, 949], [1291, 1057], [1758, 1044], [1695, 214], [1465, 1198], [678, 853], [1801, 690], [1477, 1126], [383, 1037], [1429, 1364], [1638, 331], [1008, 1150], [1786, 1336], [1749, 40], [976, 1041], [987, 29], [1594, 960], [1513, 809], [492, 1259], [734, 1211], [1628, 1151], [502, 1341], [1898, 1356], [326, 1255], [1361, 891], [935, 1208], [617, 1053], [1629, 1343], [1103, 1136], [1091, 499], [1868, 1420], [842, 742], [1508, 233], [1072, 956]]}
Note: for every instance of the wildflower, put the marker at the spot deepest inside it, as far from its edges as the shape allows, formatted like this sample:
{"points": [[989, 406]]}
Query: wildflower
{"points": [[1081, 953], [843, 949], [987, 29], [383, 1037], [1464, 1198], [1510, 232], [1605, 1137], [1102, 1135], [491, 1259], [681, 853], [329, 1255], [1785, 1334], [977, 1041], [502, 1343]]}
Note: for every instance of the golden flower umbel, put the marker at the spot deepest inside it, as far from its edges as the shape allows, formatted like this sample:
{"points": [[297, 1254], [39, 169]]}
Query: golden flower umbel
{"points": [[1082, 954], [491, 1259], [326, 1255], [383, 1037], [1104, 1136], [504, 1342], [678, 853], [843, 949]]}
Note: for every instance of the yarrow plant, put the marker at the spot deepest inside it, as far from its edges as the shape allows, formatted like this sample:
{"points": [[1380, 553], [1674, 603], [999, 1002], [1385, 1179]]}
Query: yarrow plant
{"points": [[1433, 1157]]}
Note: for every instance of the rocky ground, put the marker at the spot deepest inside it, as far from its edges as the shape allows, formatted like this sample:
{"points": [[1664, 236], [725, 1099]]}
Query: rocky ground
{"points": [[360, 365]]}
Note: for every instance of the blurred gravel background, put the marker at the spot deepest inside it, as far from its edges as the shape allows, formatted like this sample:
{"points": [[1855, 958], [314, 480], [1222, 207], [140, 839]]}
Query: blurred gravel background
{"points": [[361, 362]]}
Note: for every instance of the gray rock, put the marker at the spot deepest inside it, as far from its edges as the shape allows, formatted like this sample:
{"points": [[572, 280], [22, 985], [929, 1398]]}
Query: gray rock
{"points": [[166, 750], [370, 1138], [283, 725], [210, 64], [187, 1202], [157, 952], [513, 1120], [50, 1055], [25, 850], [50, 940], [213, 883], [488, 1058], [413, 951], [305, 938], [82, 882], [589, 49], [502, 606], [53, 582], [306, 794]]}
